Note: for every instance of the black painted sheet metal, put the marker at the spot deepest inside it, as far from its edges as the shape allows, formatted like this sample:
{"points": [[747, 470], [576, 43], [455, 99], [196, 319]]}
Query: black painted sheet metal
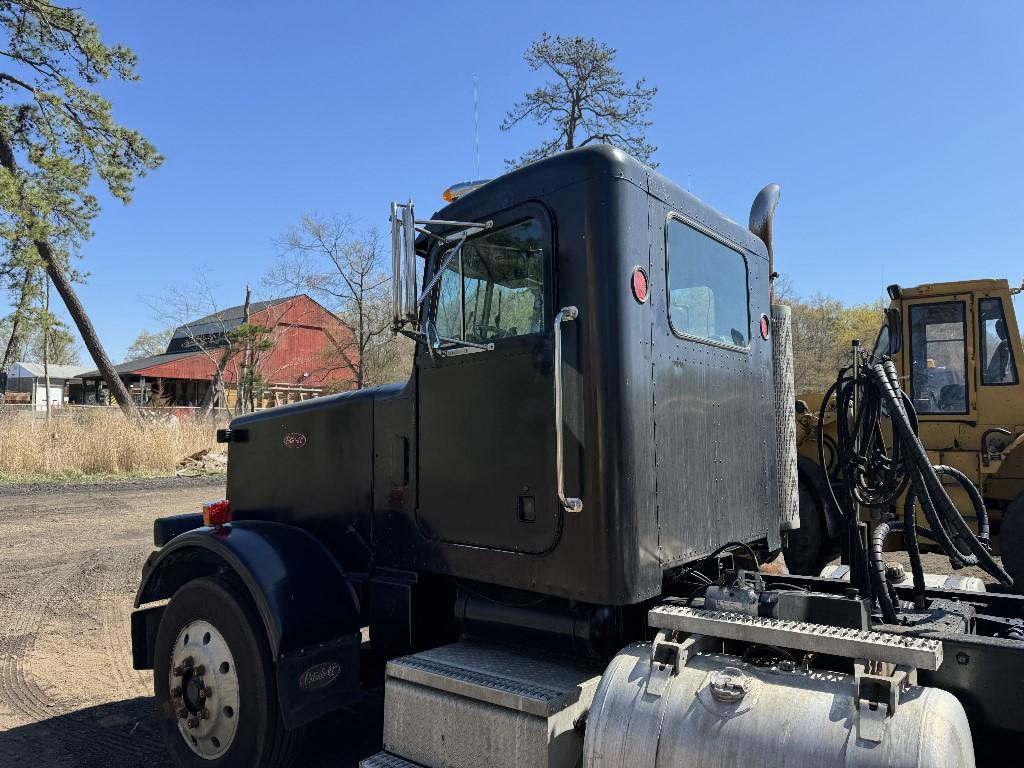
{"points": [[715, 429]]}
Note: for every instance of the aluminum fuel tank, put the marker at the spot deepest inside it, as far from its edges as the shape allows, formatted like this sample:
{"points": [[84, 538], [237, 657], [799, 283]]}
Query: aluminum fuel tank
{"points": [[761, 718]]}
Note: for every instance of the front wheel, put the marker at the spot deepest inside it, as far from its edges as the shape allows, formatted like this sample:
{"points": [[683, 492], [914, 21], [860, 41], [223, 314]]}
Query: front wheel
{"points": [[809, 548], [214, 682]]}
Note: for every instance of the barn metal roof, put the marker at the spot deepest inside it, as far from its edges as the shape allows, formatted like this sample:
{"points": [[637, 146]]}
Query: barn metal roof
{"points": [[214, 327], [131, 366], [24, 370]]}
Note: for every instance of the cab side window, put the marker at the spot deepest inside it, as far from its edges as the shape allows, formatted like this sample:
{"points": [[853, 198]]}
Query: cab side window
{"points": [[707, 283], [494, 288], [997, 363], [938, 352]]}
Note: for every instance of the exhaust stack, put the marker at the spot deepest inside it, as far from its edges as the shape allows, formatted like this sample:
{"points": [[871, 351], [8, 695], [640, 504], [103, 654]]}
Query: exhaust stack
{"points": [[761, 214]]}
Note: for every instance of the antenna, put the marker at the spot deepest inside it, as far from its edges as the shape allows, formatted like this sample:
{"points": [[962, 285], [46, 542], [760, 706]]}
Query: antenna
{"points": [[476, 122]]}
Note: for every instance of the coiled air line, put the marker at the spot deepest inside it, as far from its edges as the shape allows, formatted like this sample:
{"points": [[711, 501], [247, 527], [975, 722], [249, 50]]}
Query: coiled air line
{"points": [[876, 474]]}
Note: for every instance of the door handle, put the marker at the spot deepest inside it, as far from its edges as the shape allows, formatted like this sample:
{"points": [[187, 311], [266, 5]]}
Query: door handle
{"points": [[569, 504]]}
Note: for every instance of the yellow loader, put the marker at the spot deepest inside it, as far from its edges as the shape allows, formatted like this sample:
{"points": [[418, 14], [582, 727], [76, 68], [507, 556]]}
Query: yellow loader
{"points": [[957, 348]]}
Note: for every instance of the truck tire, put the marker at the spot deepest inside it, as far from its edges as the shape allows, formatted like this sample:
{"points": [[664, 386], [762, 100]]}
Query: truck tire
{"points": [[214, 682], [808, 548], [1011, 542]]}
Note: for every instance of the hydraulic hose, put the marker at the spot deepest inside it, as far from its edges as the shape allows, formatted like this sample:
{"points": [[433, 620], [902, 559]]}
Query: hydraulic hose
{"points": [[955, 536], [876, 471], [884, 591]]}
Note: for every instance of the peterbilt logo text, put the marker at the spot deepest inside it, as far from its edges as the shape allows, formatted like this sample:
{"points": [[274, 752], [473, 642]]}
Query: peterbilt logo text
{"points": [[294, 440], [319, 676]]}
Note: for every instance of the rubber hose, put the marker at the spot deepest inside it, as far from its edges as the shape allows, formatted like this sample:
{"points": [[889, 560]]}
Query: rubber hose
{"points": [[939, 510], [914, 552], [931, 490], [884, 591], [973, 494]]}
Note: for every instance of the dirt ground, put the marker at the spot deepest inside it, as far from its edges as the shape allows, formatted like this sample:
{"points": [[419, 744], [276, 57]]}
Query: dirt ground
{"points": [[70, 560]]}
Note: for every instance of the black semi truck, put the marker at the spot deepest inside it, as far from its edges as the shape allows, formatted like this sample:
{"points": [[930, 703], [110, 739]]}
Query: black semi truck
{"points": [[545, 544]]}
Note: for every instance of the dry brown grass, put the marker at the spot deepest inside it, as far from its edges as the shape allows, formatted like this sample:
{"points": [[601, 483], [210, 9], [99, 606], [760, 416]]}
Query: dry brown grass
{"points": [[92, 443]]}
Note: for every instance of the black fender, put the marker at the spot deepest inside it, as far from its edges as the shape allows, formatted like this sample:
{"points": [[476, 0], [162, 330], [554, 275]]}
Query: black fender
{"points": [[812, 473], [307, 605]]}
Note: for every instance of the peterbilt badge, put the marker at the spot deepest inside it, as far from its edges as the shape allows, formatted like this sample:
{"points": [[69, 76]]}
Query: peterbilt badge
{"points": [[319, 676], [294, 440]]}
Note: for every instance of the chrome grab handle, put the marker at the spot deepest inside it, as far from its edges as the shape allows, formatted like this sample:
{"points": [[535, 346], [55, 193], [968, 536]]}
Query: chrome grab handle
{"points": [[569, 504]]}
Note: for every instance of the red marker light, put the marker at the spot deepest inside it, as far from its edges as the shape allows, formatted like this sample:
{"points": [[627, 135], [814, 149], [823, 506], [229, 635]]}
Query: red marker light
{"points": [[216, 513], [640, 285], [766, 327]]}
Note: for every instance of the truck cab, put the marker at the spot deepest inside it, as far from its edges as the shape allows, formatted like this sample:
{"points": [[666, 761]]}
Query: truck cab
{"points": [[596, 433]]}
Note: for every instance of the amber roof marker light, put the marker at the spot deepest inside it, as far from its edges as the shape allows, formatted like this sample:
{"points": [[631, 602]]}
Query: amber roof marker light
{"points": [[455, 191]]}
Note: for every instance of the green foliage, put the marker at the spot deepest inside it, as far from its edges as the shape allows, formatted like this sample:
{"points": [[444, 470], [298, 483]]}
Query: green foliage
{"points": [[148, 344], [586, 102], [57, 135], [823, 328], [58, 142], [61, 345]]}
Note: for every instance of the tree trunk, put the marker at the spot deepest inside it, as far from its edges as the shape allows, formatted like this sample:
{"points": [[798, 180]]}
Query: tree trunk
{"points": [[242, 385], [215, 393], [16, 322], [46, 347], [87, 331], [74, 306]]}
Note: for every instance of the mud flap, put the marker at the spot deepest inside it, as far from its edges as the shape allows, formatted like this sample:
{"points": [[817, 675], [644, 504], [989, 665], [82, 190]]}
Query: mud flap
{"points": [[314, 681]]}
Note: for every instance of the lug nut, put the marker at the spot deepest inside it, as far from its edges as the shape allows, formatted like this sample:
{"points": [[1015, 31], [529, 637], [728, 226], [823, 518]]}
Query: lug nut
{"points": [[188, 662], [193, 722], [181, 714], [176, 692], [207, 692], [199, 671], [178, 671], [204, 713]]}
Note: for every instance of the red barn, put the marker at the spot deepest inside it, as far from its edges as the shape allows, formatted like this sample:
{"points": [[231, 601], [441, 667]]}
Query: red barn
{"points": [[302, 363]]}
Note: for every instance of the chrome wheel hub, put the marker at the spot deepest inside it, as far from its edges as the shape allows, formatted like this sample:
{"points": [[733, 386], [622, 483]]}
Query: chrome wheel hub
{"points": [[204, 689]]}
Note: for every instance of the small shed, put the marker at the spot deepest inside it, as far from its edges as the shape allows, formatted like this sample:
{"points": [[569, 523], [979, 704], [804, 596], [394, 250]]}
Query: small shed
{"points": [[29, 381]]}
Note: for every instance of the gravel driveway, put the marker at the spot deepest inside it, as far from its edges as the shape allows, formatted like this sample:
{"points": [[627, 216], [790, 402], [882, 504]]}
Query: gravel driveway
{"points": [[70, 559]]}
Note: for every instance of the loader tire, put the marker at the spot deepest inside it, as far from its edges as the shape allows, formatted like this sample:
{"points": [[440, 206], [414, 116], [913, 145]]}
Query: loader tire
{"points": [[215, 683], [809, 548], [1011, 542]]}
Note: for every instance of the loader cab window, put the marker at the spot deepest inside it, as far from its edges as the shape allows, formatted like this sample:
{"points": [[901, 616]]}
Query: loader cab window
{"points": [[707, 283], [997, 363], [494, 288], [938, 352]]}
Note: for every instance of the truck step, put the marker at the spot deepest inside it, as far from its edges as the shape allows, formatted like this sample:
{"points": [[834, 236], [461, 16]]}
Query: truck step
{"points": [[385, 760], [472, 704], [820, 638]]}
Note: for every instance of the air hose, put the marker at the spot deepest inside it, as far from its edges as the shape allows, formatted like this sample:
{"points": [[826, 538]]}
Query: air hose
{"points": [[875, 474]]}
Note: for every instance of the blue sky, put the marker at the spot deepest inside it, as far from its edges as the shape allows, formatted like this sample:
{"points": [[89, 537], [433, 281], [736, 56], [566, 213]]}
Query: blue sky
{"points": [[894, 129]]}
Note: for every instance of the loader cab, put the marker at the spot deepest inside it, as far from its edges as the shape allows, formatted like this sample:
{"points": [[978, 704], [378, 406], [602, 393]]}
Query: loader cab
{"points": [[960, 354]]}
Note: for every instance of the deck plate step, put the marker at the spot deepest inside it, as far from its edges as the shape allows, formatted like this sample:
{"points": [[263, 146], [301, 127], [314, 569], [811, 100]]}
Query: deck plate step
{"points": [[387, 760], [919, 652]]}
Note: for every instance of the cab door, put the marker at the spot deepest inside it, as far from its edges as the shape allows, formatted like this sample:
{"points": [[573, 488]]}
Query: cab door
{"points": [[486, 416], [939, 347]]}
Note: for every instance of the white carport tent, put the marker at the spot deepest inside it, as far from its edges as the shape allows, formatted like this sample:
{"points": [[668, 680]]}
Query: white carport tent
{"points": [[31, 378]]}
